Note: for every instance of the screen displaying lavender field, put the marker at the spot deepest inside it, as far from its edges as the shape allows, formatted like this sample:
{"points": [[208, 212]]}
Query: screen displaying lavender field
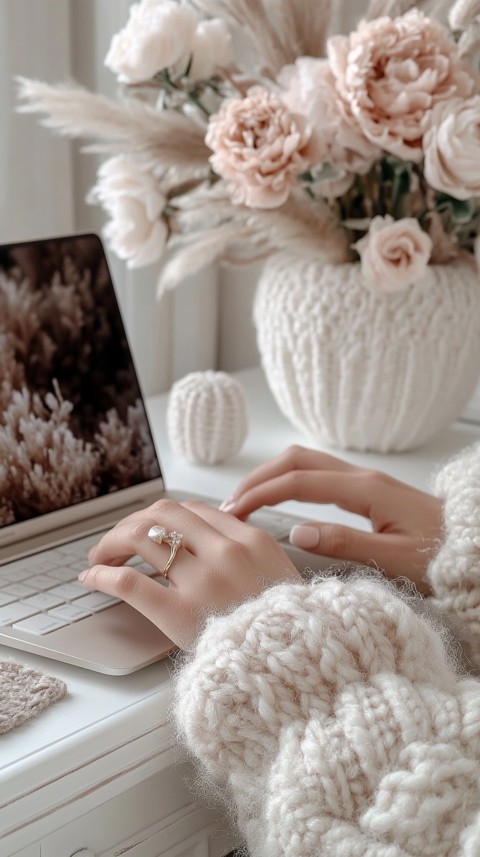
{"points": [[72, 422]]}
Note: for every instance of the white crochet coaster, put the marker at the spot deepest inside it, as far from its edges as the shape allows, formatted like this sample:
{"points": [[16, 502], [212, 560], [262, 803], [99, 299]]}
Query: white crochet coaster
{"points": [[24, 692]]}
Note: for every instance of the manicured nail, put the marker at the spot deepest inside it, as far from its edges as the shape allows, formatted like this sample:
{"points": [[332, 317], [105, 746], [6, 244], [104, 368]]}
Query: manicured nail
{"points": [[227, 505], [304, 536], [83, 575]]}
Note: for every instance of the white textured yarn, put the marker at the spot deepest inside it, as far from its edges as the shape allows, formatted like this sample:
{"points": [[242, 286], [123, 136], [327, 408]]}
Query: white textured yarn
{"points": [[358, 370], [331, 715], [207, 417], [454, 573]]}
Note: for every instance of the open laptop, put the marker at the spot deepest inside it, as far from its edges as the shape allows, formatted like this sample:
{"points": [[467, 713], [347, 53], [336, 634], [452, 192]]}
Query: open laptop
{"points": [[76, 455]]}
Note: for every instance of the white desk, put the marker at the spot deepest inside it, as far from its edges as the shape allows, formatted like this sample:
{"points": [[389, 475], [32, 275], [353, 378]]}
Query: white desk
{"points": [[97, 770]]}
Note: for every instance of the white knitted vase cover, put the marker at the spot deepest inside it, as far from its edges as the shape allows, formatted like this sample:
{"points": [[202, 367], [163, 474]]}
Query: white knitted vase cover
{"points": [[207, 417], [359, 370]]}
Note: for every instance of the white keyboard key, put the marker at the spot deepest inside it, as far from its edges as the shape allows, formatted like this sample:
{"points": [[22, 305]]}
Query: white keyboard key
{"points": [[6, 599], [44, 601], [14, 612], [65, 574], [68, 591], [21, 565], [44, 563], [41, 581], [79, 564], [96, 601], [18, 590], [40, 624], [69, 612], [15, 573]]}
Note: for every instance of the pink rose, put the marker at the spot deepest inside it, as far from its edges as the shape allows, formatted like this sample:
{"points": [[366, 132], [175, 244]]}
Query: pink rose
{"points": [[260, 148], [309, 89], [452, 148], [157, 36], [391, 73], [134, 203], [394, 253]]}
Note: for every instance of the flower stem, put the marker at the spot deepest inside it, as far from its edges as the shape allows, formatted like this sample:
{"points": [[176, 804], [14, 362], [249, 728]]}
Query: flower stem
{"points": [[171, 86]]}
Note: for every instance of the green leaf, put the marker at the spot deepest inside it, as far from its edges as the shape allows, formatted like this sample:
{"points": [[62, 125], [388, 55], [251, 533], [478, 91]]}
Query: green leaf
{"points": [[460, 211]]}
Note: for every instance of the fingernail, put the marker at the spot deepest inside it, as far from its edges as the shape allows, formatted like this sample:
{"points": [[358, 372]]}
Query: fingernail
{"points": [[304, 536], [83, 575], [91, 553], [227, 505]]}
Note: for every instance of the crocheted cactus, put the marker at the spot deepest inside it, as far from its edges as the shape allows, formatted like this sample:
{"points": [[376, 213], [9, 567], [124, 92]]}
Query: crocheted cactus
{"points": [[207, 417]]}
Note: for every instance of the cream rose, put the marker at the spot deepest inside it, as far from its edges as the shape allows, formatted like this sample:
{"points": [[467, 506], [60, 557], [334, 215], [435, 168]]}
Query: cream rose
{"points": [[157, 35], [309, 88], [394, 253], [260, 148], [452, 148], [135, 231], [390, 73], [211, 47]]}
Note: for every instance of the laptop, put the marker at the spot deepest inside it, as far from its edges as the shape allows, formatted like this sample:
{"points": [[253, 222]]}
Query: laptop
{"points": [[76, 455]]}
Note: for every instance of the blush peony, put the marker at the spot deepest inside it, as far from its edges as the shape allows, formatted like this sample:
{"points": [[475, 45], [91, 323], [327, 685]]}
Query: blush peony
{"points": [[390, 73], [394, 253], [260, 147]]}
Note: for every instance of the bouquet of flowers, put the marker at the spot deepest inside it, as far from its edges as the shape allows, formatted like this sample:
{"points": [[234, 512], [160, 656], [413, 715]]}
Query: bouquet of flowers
{"points": [[242, 129]]}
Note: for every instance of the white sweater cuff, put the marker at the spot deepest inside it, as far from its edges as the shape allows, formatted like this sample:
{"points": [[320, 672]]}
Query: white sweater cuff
{"points": [[321, 708]]}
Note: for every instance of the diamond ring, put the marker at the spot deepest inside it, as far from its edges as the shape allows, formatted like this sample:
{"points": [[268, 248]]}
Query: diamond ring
{"points": [[160, 534]]}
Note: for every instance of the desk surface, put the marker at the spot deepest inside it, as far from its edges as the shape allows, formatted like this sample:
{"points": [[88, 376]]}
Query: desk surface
{"points": [[103, 714]]}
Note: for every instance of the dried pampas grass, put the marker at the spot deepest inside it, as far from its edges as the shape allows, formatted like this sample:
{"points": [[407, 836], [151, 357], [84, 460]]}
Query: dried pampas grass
{"points": [[303, 25], [393, 8], [463, 13], [208, 227], [127, 127], [279, 30], [464, 19]]}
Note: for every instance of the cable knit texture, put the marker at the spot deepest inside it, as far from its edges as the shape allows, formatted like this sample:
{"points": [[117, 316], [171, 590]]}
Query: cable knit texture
{"points": [[359, 370], [24, 693], [207, 417], [454, 574], [331, 714]]}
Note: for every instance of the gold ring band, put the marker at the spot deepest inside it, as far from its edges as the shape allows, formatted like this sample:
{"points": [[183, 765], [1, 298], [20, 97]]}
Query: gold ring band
{"points": [[160, 534]]}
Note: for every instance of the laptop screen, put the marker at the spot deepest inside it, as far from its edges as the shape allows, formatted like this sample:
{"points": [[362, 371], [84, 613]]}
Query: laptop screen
{"points": [[73, 426]]}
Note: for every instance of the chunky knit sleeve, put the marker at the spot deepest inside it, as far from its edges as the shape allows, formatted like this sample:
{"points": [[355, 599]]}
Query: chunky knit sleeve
{"points": [[331, 716], [454, 574]]}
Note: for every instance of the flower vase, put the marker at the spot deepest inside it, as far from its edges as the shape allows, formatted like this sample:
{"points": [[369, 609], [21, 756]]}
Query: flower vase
{"points": [[354, 369]]}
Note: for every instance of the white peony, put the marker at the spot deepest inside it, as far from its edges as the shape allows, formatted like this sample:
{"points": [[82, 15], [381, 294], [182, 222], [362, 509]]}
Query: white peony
{"points": [[158, 35], [394, 253], [134, 203], [211, 47], [452, 148]]}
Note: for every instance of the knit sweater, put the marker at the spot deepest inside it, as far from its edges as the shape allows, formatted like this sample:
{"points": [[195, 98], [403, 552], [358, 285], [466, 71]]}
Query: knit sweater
{"points": [[332, 713]]}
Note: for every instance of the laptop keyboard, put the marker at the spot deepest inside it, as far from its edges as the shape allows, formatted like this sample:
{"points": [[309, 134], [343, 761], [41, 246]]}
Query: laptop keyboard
{"points": [[41, 593]]}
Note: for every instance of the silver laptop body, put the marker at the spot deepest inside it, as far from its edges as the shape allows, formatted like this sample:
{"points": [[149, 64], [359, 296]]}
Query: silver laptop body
{"points": [[76, 455]]}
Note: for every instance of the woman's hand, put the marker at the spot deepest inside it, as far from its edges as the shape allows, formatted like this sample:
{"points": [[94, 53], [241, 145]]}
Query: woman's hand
{"points": [[221, 562], [406, 523]]}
